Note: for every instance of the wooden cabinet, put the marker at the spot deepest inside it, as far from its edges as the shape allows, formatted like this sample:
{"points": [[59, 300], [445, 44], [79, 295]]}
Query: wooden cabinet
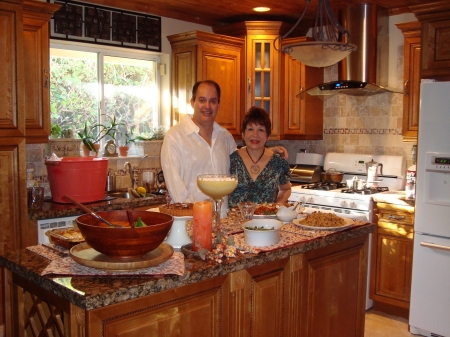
{"points": [[435, 19], [411, 97], [301, 114], [36, 17], [12, 135], [200, 56], [316, 293], [391, 266], [274, 79]]}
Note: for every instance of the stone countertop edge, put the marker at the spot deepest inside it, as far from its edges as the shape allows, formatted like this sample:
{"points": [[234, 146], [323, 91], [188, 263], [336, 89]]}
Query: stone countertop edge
{"points": [[396, 197], [95, 292], [51, 210]]}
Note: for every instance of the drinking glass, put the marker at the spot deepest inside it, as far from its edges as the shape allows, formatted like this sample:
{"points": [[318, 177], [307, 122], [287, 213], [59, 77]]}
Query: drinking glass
{"points": [[217, 186], [247, 209]]}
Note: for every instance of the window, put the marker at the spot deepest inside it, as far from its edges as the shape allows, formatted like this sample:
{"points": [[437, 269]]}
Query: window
{"points": [[89, 86]]}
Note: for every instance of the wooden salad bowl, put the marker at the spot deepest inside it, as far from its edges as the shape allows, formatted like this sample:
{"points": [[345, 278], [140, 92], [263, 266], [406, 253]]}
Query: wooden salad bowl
{"points": [[125, 242]]}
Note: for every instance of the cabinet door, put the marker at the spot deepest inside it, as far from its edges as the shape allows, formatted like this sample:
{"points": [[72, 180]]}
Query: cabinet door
{"points": [[36, 19], [223, 66], [11, 48], [411, 97], [184, 76], [263, 76], [436, 53], [301, 114], [393, 268]]}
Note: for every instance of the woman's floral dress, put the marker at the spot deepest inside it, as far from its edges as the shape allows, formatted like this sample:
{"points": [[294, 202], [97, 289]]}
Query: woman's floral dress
{"points": [[265, 187]]}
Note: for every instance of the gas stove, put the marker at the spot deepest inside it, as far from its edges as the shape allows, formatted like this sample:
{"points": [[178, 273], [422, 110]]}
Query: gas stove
{"points": [[341, 199]]}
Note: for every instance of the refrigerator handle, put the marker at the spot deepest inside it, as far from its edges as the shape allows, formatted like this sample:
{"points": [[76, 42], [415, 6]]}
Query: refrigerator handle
{"points": [[435, 246]]}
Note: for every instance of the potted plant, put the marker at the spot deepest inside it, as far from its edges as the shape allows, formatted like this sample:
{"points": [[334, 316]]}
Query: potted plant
{"points": [[150, 143], [92, 135], [125, 136]]}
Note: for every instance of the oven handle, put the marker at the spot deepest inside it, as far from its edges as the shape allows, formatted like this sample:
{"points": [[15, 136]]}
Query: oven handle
{"points": [[435, 246]]}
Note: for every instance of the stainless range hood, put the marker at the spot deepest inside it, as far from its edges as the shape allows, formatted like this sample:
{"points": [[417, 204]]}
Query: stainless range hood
{"points": [[365, 71]]}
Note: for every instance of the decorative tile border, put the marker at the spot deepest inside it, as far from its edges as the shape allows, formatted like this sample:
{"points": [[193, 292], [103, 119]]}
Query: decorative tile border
{"points": [[361, 131]]}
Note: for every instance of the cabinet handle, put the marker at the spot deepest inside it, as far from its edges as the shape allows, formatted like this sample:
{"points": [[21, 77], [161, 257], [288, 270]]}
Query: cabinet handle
{"points": [[406, 87], [396, 217], [249, 84], [46, 78], [435, 246]]}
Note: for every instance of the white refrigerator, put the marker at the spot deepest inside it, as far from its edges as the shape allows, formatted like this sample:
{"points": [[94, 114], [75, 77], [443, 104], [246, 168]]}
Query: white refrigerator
{"points": [[430, 288]]}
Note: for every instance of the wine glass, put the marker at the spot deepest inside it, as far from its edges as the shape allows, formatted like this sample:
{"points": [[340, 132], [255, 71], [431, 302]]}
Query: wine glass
{"points": [[217, 186]]}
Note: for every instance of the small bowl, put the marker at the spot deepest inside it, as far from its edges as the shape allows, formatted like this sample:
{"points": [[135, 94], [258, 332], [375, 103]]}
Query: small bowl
{"points": [[287, 216], [262, 237], [125, 242]]}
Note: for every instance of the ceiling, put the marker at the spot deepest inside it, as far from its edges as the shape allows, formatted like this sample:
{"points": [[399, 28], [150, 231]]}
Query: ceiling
{"points": [[216, 13]]}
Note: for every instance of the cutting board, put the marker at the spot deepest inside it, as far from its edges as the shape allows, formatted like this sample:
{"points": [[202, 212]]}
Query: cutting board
{"points": [[89, 257]]}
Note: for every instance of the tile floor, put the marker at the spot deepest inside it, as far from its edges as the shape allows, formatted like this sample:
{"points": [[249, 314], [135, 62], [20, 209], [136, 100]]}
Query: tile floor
{"points": [[379, 324]]}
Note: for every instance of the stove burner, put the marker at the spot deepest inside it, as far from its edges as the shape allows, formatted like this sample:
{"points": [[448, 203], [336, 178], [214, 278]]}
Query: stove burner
{"points": [[372, 190], [323, 186]]}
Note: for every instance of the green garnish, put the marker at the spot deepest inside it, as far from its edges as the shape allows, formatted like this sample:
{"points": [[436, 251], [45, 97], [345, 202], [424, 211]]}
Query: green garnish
{"points": [[256, 228], [140, 223]]}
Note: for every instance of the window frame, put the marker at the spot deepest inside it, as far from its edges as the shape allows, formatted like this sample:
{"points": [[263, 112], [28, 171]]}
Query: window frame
{"points": [[104, 50]]}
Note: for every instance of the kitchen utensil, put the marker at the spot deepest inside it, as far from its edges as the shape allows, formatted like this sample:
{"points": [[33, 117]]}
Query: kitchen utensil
{"points": [[125, 242], [372, 168], [130, 218], [332, 176], [91, 212], [359, 184]]}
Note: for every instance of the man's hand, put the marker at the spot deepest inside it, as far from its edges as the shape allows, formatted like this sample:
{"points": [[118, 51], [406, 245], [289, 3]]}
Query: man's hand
{"points": [[280, 150]]}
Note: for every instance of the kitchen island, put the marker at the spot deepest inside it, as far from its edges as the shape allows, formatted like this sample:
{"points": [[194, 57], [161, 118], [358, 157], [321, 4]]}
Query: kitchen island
{"points": [[313, 288]]}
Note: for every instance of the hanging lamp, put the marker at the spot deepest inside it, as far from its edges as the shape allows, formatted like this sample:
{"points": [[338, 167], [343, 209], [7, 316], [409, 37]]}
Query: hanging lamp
{"points": [[327, 49]]}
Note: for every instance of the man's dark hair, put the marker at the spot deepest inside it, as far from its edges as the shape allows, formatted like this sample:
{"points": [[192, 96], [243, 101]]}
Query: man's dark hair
{"points": [[210, 82], [259, 116]]}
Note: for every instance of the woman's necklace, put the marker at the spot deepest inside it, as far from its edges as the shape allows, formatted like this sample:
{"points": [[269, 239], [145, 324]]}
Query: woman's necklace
{"points": [[255, 167]]}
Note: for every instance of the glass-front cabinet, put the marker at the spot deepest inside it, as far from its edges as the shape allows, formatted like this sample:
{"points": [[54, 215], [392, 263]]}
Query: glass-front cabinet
{"points": [[273, 79]]}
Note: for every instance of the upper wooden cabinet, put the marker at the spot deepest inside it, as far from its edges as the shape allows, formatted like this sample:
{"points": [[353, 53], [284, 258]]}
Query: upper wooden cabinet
{"points": [[200, 56], [435, 19], [411, 97], [11, 48], [301, 114], [36, 17], [273, 81]]}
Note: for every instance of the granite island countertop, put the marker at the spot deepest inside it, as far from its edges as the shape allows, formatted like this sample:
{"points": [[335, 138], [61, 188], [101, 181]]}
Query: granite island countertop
{"points": [[95, 292], [50, 209]]}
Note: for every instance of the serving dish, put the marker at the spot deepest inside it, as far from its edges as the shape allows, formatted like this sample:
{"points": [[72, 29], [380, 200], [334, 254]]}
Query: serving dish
{"points": [[265, 232], [65, 237], [87, 256], [348, 222], [125, 242]]}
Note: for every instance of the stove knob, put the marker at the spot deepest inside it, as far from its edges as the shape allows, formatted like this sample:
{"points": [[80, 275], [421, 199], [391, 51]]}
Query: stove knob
{"points": [[310, 200], [302, 199], [353, 205], [343, 203]]}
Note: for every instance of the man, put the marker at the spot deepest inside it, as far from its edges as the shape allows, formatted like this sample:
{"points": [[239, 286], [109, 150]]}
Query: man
{"points": [[197, 146]]}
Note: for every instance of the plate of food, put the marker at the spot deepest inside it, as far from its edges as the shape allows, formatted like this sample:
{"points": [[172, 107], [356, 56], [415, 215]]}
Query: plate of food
{"points": [[323, 221], [264, 211]]}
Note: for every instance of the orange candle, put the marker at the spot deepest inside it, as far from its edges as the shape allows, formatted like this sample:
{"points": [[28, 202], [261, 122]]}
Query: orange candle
{"points": [[202, 229]]}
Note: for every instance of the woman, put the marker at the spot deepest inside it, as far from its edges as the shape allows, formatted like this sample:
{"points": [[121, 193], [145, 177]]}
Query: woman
{"points": [[263, 176]]}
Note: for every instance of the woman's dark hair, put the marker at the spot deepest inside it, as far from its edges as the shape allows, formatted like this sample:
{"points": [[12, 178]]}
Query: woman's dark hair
{"points": [[209, 82], [256, 115]]}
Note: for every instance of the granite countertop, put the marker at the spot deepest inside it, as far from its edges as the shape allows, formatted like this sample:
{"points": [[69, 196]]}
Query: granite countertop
{"points": [[50, 210], [393, 197], [94, 292]]}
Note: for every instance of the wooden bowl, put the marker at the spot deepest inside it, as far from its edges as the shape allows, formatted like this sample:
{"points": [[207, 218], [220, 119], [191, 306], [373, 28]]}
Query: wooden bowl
{"points": [[125, 242]]}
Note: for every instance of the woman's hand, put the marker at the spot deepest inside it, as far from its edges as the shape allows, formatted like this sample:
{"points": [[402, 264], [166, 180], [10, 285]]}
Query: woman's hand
{"points": [[280, 150]]}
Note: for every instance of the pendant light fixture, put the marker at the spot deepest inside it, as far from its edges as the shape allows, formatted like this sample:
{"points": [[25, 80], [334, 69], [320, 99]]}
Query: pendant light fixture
{"points": [[327, 49]]}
